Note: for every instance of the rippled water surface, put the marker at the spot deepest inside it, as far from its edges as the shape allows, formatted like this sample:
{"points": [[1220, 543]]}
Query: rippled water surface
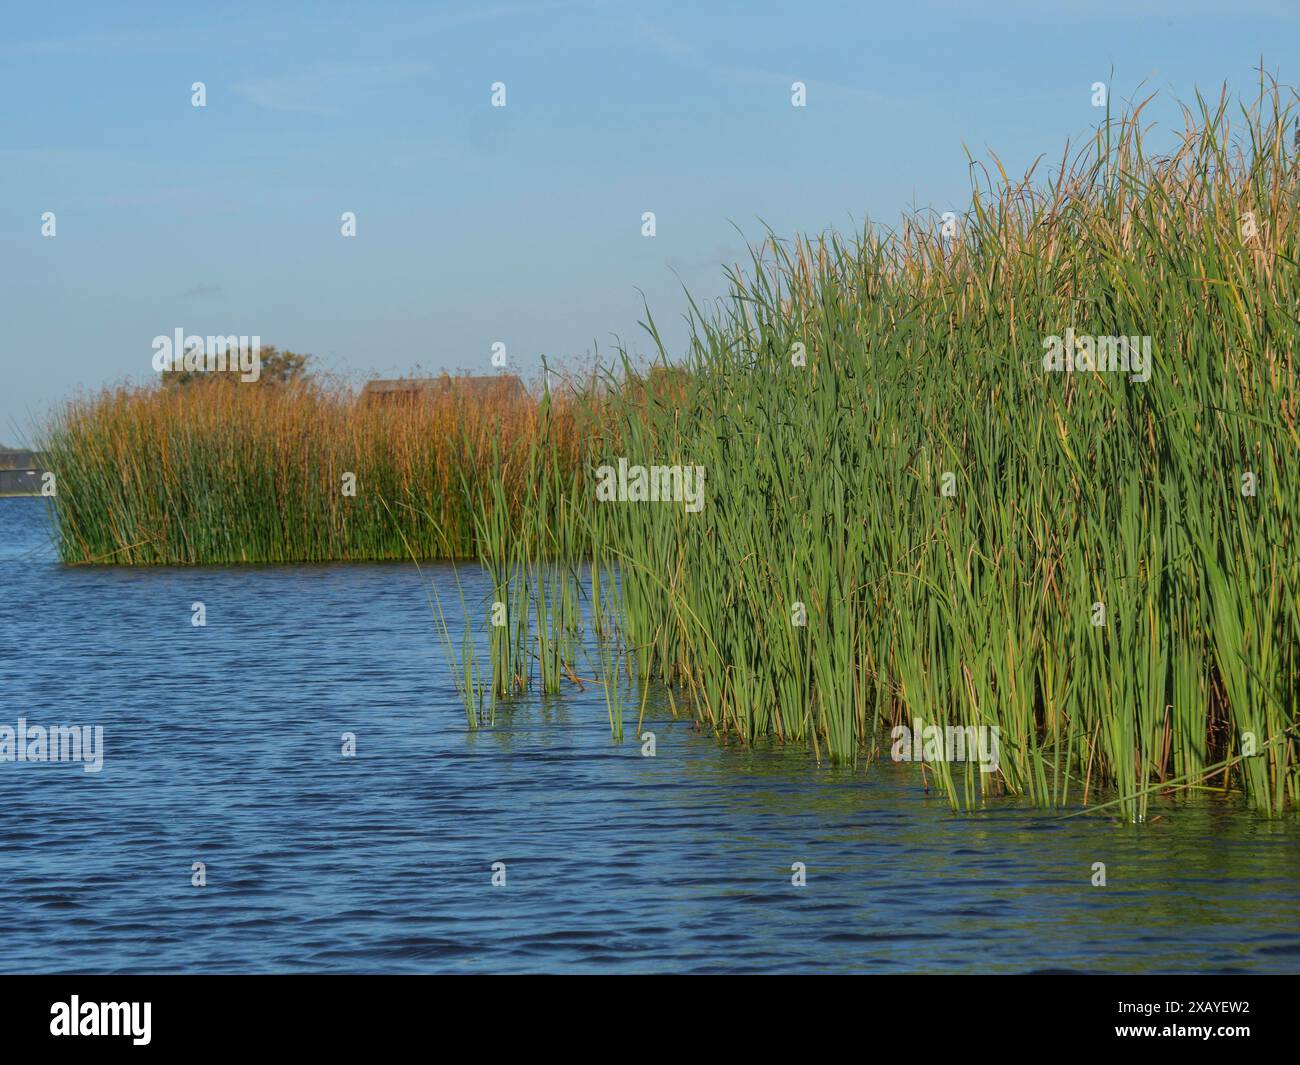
{"points": [[222, 746]]}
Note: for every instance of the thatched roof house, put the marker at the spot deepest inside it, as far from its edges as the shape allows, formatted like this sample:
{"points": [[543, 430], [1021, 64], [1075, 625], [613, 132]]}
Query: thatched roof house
{"points": [[664, 385], [501, 388]]}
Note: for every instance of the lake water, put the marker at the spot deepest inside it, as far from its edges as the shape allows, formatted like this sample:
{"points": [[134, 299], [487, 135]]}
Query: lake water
{"points": [[222, 745]]}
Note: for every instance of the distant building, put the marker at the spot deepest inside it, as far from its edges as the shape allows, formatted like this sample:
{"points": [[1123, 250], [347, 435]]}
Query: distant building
{"points": [[502, 388], [664, 385], [20, 473]]}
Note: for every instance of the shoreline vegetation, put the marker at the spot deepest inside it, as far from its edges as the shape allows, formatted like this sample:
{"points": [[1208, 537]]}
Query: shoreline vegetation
{"points": [[920, 502]]}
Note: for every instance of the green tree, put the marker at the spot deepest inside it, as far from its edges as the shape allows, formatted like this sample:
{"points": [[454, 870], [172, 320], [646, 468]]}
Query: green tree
{"points": [[277, 368]]}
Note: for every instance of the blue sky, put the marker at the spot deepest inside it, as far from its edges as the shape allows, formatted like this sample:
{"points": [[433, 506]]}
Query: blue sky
{"points": [[521, 224]]}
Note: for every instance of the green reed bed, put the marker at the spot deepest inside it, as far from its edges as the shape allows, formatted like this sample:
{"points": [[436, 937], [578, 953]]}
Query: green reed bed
{"points": [[1074, 558]]}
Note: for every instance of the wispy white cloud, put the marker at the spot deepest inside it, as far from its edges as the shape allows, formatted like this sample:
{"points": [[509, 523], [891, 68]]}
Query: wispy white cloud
{"points": [[1111, 10], [324, 90], [98, 42], [835, 88], [199, 291], [668, 44], [271, 27], [660, 38]]}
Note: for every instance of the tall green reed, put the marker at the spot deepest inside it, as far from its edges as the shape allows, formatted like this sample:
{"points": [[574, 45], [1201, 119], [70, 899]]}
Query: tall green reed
{"points": [[1075, 559]]}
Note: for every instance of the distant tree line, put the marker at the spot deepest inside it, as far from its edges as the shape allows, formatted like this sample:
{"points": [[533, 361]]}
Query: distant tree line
{"points": [[278, 368]]}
